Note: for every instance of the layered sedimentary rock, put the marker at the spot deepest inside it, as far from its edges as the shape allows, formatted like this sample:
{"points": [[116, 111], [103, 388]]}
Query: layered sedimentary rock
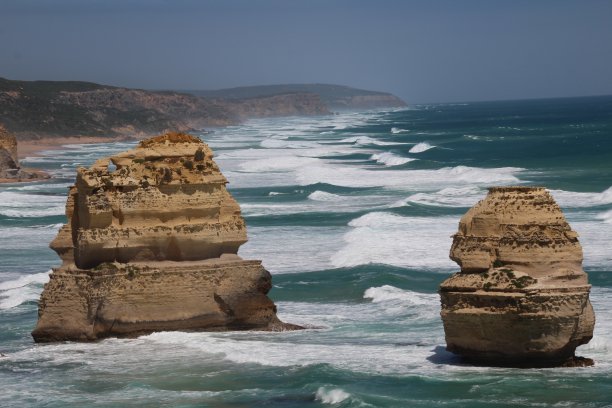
{"points": [[522, 297], [10, 170], [151, 244]]}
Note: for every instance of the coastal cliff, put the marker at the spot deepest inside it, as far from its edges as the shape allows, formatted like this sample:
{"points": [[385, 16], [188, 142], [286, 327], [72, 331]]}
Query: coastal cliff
{"points": [[291, 104], [10, 169], [54, 109], [151, 244], [522, 297], [39, 109], [333, 97]]}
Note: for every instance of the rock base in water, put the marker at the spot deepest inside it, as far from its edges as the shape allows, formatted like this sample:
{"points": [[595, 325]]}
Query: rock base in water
{"points": [[521, 298], [151, 245]]}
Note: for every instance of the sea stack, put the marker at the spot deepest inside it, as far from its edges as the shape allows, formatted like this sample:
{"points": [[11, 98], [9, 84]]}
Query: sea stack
{"points": [[151, 244], [522, 297], [10, 170]]}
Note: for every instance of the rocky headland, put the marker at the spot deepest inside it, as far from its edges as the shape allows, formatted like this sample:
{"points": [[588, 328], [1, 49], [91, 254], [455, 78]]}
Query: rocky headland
{"points": [[151, 244], [10, 169], [334, 97], [522, 297]]}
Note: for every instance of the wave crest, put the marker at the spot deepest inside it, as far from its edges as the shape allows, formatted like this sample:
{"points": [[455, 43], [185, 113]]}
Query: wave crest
{"points": [[390, 159], [420, 147]]}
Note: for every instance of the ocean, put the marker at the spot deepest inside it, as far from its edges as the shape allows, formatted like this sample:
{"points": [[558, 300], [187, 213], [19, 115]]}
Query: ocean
{"points": [[352, 214]]}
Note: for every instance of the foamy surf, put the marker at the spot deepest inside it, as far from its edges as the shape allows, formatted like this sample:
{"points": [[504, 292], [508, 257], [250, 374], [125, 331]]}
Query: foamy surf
{"points": [[448, 197], [366, 140], [606, 217], [409, 242], [388, 293], [420, 147], [573, 199], [23, 289], [404, 179], [390, 159], [324, 196], [331, 395]]}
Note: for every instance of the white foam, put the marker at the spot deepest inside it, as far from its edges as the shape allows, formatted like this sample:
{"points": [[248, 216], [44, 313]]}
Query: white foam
{"points": [[17, 204], [447, 197], [331, 396], [580, 200], [324, 196], [23, 289], [390, 159], [39, 187], [396, 130], [606, 217], [410, 242], [404, 179], [366, 140], [275, 193], [278, 164], [594, 236], [291, 249], [388, 293], [36, 236], [287, 144], [420, 147]]}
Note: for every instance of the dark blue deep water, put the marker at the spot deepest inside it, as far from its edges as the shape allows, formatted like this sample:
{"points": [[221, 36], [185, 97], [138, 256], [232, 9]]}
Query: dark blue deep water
{"points": [[352, 213]]}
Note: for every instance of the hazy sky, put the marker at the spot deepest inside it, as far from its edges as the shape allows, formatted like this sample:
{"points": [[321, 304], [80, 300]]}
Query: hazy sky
{"points": [[423, 51]]}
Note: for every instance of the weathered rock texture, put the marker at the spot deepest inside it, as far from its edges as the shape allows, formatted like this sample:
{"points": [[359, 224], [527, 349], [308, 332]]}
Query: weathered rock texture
{"points": [[151, 244], [10, 170], [522, 297]]}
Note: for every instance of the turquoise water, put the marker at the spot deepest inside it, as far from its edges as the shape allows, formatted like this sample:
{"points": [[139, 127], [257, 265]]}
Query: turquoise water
{"points": [[352, 214]]}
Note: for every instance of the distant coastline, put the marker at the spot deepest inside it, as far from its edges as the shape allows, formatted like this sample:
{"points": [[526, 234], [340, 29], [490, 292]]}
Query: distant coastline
{"points": [[46, 110]]}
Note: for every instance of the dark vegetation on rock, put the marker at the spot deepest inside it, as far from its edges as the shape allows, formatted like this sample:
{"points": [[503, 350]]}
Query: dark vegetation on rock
{"points": [[41, 109]]}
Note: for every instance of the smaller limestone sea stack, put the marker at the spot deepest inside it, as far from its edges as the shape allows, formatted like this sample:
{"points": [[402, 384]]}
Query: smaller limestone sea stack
{"points": [[10, 170], [151, 244], [522, 297]]}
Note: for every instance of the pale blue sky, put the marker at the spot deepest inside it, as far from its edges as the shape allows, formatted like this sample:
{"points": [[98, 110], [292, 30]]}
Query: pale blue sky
{"points": [[424, 51]]}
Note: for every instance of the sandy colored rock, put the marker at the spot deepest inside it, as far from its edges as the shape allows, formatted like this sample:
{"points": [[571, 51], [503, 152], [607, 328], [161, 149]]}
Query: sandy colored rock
{"points": [[10, 170], [522, 297], [8, 150], [151, 244]]}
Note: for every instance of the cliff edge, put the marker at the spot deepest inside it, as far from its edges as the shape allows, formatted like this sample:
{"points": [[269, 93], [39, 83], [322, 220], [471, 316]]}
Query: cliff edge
{"points": [[10, 169], [522, 297], [151, 244]]}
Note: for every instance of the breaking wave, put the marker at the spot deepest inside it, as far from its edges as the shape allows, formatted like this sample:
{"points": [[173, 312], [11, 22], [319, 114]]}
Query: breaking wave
{"points": [[390, 159], [420, 147]]}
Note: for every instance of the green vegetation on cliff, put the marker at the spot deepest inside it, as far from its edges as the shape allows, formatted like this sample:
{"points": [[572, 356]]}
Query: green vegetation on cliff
{"points": [[36, 109], [333, 96]]}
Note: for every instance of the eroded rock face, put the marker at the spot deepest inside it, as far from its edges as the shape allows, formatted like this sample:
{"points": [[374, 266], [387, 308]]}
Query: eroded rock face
{"points": [[522, 297], [8, 150], [150, 245], [10, 170]]}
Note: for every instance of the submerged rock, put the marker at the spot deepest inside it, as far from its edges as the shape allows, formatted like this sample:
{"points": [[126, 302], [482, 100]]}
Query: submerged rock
{"points": [[522, 297], [151, 244]]}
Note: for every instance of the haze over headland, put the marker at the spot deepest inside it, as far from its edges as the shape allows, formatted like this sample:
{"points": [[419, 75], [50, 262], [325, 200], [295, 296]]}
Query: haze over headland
{"points": [[422, 51]]}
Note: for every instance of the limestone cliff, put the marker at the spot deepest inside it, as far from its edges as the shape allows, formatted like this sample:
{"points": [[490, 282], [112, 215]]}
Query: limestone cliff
{"points": [[522, 297], [37, 109], [151, 244], [10, 170]]}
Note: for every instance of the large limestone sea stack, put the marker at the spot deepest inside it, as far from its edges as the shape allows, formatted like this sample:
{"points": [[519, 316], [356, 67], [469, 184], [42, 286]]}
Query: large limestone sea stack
{"points": [[151, 244], [522, 297]]}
